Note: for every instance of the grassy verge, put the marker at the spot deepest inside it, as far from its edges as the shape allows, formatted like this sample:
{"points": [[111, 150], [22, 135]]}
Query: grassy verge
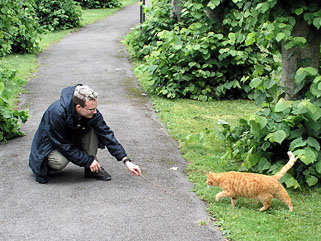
{"points": [[193, 125], [26, 64]]}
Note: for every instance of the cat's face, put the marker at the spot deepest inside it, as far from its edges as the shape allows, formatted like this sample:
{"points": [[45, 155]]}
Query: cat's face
{"points": [[211, 179]]}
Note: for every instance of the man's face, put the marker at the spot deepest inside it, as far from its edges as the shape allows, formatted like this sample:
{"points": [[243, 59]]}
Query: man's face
{"points": [[89, 110]]}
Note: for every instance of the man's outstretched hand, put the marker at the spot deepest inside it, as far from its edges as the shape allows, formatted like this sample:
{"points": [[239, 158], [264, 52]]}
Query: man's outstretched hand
{"points": [[133, 168]]}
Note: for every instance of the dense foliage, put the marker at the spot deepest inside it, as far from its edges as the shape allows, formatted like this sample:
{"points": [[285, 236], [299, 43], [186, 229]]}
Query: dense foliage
{"points": [[99, 3], [19, 30], [10, 119], [262, 140], [58, 14], [195, 57]]}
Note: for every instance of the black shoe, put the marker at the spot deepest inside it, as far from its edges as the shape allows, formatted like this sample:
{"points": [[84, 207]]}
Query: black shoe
{"points": [[101, 175]]}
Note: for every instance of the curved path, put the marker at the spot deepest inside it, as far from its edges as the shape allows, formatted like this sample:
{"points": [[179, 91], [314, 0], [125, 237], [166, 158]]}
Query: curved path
{"points": [[71, 207]]}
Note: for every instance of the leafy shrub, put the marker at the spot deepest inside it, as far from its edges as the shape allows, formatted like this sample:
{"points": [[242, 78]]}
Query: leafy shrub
{"points": [[262, 139], [195, 58], [58, 14], [19, 31], [200, 64], [10, 119], [95, 4], [143, 38]]}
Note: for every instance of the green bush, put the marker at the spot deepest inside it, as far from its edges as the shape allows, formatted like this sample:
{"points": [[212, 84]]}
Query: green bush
{"points": [[10, 118], [19, 30], [262, 139], [144, 37], [95, 4], [196, 58], [58, 14], [197, 63]]}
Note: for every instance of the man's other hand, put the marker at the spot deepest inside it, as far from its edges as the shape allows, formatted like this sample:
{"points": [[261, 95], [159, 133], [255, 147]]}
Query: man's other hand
{"points": [[95, 167]]}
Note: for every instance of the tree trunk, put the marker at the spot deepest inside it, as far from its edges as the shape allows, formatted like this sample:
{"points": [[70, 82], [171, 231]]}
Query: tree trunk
{"points": [[177, 10], [294, 58]]}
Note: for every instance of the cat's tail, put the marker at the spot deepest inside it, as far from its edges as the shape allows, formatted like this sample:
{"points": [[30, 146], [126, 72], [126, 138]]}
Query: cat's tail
{"points": [[286, 167]]}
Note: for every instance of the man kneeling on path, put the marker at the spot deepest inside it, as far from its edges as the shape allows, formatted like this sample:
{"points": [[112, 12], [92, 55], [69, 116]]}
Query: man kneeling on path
{"points": [[71, 130]]}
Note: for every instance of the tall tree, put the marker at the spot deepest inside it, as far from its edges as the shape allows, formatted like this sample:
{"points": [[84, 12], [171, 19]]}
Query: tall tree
{"points": [[177, 9], [292, 26]]}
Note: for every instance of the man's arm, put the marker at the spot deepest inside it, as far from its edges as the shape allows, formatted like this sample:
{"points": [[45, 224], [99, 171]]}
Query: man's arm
{"points": [[106, 135]]}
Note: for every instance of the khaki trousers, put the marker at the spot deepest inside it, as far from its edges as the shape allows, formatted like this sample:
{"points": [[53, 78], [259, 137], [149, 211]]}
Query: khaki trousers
{"points": [[89, 142]]}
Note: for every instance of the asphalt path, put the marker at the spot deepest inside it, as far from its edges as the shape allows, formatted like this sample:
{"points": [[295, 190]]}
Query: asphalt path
{"points": [[158, 206]]}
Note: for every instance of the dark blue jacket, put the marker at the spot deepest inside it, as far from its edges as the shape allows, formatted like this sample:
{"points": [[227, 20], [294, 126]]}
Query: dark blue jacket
{"points": [[59, 130]]}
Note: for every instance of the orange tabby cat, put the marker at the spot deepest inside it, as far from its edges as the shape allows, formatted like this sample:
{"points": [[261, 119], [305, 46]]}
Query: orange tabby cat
{"points": [[251, 185]]}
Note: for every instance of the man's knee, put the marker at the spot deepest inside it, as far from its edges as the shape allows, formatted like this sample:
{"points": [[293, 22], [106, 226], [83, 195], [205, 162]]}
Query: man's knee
{"points": [[56, 160]]}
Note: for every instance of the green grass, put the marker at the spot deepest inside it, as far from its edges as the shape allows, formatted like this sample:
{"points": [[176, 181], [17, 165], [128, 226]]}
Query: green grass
{"points": [[193, 125]]}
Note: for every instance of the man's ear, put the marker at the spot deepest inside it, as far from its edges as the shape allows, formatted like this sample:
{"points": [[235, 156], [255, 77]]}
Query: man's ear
{"points": [[78, 107]]}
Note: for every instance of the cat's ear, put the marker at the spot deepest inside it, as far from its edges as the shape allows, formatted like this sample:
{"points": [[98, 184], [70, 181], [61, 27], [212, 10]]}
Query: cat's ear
{"points": [[210, 174]]}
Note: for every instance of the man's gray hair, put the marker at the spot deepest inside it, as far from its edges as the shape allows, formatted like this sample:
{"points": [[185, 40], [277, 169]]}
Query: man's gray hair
{"points": [[82, 94]]}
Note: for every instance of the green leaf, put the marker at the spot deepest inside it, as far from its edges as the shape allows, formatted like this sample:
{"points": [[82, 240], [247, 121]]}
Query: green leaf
{"points": [[257, 123], [307, 156], [4, 10], [291, 182], [312, 180], [282, 105], [318, 166], [196, 46], [299, 76], [218, 36], [1, 88], [198, 25], [280, 36], [311, 155], [313, 143], [298, 11], [250, 39], [250, 159], [296, 133], [213, 4], [279, 136], [312, 71], [262, 121], [298, 142], [297, 41], [255, 82], [266, 145], [262, 7], [232, 38], [263, 164], [317, 22], [315, 89], [313, 110]]}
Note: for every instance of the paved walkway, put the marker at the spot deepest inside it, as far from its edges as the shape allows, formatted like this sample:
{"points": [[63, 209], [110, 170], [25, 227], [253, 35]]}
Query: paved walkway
{"points": [[71, 207]]}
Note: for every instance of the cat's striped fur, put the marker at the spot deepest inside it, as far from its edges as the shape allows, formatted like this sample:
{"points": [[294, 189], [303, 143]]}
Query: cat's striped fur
{"points": [[251, 185]]}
